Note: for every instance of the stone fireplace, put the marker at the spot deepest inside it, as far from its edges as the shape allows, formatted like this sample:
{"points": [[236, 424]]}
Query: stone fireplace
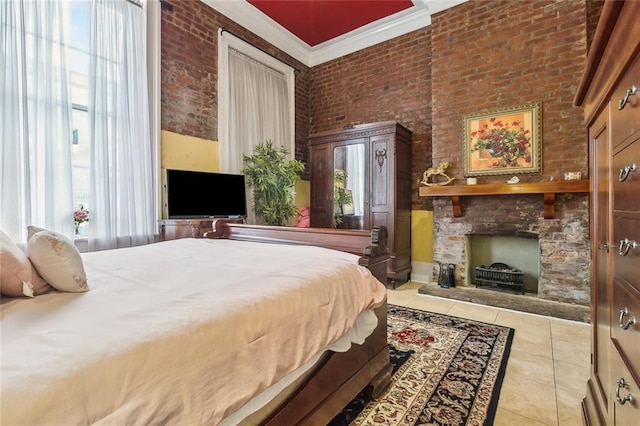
{"points": [[561, 242]]}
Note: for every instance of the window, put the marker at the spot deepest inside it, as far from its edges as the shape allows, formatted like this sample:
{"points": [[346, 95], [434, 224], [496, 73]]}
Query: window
{"points": [[73, 135]]}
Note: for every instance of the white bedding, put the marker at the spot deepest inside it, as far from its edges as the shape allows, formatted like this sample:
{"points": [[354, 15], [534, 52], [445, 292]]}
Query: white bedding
{"points": [[178, 332]]}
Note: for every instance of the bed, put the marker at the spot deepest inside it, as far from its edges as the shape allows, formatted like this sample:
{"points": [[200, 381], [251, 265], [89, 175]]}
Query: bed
{"points": [[251, 325]]}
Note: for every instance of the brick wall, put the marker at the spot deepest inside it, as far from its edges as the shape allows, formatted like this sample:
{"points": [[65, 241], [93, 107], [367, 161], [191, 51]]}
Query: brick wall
{"points": [[189, 99], [502, 53], [492, 54], [388, 81]]}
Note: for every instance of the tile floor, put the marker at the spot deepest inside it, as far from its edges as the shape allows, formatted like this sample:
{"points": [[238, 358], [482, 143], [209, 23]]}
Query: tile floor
{"points": [[548, 367]]}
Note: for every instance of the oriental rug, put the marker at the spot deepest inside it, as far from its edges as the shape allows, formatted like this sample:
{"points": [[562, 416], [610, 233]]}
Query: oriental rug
{"points": [[446, 371]]}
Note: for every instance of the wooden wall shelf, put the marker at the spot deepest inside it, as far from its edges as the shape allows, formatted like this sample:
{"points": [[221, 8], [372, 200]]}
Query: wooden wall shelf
{"points": [[548, 189]]}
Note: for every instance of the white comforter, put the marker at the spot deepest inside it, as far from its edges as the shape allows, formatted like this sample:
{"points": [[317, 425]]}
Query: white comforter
{"points": [[178, 332]]}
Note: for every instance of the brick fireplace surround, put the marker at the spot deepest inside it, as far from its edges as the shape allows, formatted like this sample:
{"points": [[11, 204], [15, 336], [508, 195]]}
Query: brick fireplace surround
{"points": [[563, 241]]}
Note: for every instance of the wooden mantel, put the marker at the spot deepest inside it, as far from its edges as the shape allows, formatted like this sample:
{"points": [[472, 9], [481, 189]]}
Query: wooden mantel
{"points": [[548, 189]]}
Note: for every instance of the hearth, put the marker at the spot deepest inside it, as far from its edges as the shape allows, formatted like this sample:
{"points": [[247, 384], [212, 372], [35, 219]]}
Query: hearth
{"points": [[500, 275]]}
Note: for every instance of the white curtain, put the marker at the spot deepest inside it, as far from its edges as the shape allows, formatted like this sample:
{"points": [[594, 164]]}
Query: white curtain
{"points": [[35, 156], [258, 108], [122, 195], [256, 103]]}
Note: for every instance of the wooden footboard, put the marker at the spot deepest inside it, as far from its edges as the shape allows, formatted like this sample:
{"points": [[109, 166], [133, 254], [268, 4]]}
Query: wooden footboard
{"points": [[340, 376]]}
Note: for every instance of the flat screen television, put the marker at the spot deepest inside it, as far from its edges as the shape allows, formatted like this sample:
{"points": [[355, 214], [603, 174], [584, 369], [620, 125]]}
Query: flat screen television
{"points": [[192, 194]]}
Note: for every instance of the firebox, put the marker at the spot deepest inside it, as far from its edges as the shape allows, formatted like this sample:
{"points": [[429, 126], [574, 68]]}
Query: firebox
{"points": [[500, 275]]}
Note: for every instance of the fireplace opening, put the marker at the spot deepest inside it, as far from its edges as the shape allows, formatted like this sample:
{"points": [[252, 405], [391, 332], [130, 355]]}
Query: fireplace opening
{"points": [[500, 275], [519, 255]]}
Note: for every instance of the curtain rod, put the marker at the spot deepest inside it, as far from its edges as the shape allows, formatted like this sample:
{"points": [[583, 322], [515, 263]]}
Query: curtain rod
{"points": [[136, 2], [223, 29]]}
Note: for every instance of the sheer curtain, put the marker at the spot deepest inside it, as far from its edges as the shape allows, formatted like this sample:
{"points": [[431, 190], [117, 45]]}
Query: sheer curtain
{"points": [[122, 195], [259, 108], [35, 157], [256, 104]]}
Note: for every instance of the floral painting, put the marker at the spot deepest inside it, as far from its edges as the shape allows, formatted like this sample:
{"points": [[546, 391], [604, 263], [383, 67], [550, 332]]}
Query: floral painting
{"points": [[505, 141]]}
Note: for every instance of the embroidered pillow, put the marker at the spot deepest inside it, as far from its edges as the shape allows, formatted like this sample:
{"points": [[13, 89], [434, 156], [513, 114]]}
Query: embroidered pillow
{"points": [[57, 260], [18, 277]]}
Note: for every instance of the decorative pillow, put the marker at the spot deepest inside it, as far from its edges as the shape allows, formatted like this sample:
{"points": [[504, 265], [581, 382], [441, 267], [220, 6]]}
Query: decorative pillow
{"points": [[57, 260], [18, 277]]}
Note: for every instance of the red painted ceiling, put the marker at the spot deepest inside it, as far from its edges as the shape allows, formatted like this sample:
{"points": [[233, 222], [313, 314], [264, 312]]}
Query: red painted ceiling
{"points": [[316, 21]]}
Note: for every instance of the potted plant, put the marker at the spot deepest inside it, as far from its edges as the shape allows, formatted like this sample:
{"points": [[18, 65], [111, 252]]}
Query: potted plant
{"points": [[273, 178]]}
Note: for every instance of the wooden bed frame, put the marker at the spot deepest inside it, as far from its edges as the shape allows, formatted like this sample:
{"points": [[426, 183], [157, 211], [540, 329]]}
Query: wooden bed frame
{"points": [[339, 376]]}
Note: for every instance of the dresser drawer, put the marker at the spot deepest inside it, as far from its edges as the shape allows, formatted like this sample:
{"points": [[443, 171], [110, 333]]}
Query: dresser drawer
{"points": [[626, 258], [623, 387], [626, 121], [625, 325], [626, 178]]}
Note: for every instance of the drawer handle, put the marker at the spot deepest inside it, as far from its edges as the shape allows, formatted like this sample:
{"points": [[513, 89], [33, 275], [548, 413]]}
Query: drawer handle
{"points": [[625, 325], [628, 397], [624, 172], [623, 101], [625, 246]]}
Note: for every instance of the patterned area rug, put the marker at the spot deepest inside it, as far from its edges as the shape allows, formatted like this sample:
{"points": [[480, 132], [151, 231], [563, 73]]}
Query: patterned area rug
{"points": [[446, 371]]}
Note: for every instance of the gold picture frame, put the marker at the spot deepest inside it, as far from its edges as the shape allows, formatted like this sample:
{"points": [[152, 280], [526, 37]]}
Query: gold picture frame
{"points": [[503, 141]]}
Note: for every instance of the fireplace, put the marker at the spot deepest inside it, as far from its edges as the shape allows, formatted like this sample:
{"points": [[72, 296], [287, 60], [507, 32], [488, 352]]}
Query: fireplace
{"points": [[561, 265]]}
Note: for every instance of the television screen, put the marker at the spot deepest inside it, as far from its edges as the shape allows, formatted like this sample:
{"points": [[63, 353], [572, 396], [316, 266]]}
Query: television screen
{"points": [[193, 194]]}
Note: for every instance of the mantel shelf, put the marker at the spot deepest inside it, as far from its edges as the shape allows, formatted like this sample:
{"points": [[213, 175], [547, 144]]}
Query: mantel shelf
{"points": [[548, 189]]}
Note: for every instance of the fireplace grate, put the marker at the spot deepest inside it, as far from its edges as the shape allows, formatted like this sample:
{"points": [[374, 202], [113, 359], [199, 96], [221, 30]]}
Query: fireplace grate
{"points": [[500, 274]]}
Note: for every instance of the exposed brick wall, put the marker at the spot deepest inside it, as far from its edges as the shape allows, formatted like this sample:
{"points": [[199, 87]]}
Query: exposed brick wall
{"points": [[492, 54], [189, 93], [386, 82], [503, 53]]}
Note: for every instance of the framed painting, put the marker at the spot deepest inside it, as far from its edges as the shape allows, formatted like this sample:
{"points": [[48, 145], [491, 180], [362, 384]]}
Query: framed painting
{"points": [[503, 141]]}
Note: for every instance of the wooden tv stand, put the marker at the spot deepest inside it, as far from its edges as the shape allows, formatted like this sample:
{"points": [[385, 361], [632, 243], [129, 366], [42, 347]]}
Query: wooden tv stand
{"points": [[173, 229]]}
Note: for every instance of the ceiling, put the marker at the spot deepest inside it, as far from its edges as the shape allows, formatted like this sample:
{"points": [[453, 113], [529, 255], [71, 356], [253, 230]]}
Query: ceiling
{"points": [[317, 31], [317, 21]]}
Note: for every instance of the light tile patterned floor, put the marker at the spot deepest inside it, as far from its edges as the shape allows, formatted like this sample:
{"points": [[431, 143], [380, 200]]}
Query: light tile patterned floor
{"points": [[548, 367]]}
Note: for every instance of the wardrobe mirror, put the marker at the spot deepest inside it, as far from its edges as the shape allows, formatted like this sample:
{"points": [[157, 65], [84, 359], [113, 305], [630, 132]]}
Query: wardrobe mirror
{"points": [[349, 186]]}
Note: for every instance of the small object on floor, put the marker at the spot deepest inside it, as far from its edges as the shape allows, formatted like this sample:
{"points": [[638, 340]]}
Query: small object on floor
{"points": [[446, 277]]}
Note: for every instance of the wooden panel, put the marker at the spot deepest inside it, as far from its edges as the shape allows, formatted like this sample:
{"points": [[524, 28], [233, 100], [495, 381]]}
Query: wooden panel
{"points": [[381, 168], [625, 326], [173, 229], [627, 267], [625, 122], [626, 192], [321, 187], [626, 414], [557, 187], [601, 249]]}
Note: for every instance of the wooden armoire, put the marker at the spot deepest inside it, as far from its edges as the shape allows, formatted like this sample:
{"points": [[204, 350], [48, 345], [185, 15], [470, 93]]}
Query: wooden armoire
{"points": [[609, 92], [372, 163]]}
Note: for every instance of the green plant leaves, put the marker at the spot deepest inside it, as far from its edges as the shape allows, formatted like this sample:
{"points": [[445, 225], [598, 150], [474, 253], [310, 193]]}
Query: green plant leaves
{"points": [[273, 179]]}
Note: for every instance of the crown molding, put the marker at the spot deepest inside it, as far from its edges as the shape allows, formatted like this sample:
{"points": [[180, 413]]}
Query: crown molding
{"points": [[371, 34], [245, 14]]}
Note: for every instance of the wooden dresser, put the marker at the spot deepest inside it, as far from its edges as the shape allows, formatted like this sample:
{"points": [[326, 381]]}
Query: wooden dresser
{"points": [[376, 158], [609, 92]]}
